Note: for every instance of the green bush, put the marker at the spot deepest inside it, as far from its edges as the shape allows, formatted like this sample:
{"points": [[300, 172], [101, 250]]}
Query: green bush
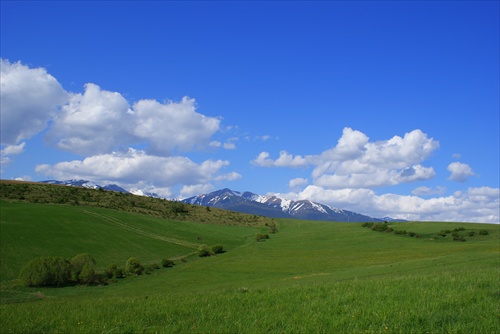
{"points": [[380, 227], [261, 236], [87, 274], [133, 266], [46, 271], [167, 263], [483, 232], [412, 234], [367, 224], [78, 263], [218, 249], [203, 251], [111, 270], [149, 268]]}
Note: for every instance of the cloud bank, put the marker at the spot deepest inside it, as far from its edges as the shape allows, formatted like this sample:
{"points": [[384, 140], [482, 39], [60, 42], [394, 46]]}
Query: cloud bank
{"points": [[103, 128], [346, 176]]}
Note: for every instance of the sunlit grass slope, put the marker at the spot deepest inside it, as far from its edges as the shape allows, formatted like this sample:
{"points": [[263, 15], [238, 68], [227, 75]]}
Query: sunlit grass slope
{"points": [[309, 277]]}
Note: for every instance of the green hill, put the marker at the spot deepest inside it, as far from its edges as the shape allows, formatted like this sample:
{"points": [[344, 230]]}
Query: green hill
{"points": [[308, 277]]}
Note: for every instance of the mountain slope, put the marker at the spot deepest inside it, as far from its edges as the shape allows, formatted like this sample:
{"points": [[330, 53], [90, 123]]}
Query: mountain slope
{"points": [[275, 206], [86, 184]]}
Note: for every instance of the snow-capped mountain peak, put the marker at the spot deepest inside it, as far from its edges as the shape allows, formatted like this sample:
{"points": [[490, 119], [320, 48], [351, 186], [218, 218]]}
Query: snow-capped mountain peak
{"points": [[275, 206]]}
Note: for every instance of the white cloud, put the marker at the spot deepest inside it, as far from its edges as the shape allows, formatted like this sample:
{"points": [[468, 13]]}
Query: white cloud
{"points": [[127, 168], [426, 191], [97, 121], [93, 123], [284, 160], [29, 97], [232, 176], [9, 151], [460, 172], [355, 162], [173, 125], [195, 190], [474, 205], [297, 182]]}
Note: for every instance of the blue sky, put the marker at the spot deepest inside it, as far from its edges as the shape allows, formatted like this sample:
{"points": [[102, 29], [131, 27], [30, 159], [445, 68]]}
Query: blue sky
{"points": [[385, 108]]}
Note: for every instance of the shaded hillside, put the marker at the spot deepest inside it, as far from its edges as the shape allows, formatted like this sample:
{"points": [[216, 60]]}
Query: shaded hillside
{"points": [[57, 194]]}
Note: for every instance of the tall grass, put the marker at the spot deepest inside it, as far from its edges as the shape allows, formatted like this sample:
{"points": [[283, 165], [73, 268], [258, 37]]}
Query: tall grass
{"points": [[451, 302]]}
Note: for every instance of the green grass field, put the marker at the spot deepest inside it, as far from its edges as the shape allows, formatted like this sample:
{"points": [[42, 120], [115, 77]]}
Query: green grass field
{"points": [[310, 277]]}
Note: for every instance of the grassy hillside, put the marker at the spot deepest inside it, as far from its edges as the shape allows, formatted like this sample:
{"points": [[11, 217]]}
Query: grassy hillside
{"points": [[308, 277], [42, 193]]}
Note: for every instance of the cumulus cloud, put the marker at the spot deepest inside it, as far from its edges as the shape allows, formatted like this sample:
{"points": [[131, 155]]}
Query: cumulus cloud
{"points": [[355, 162], [460, 172], [169, 125], [297, 182], [128, 167], [97, 121], [426, 191], [285, 160], [9, 151], [29, 98], [94, 122], [473, 205]]}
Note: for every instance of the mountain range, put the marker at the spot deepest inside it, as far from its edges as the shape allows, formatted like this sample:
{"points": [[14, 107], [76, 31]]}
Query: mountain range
{"points": [[251, 203], [277, 207]]}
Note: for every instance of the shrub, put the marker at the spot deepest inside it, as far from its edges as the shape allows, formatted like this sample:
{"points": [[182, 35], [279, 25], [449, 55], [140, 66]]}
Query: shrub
{"points": [[471, 233], [46, 271], [167, 263], [389, 230], [218, 249], [87, 274], [400, 232], [412, 234], [367, 224], [458, 238], [133, 266], [260, 236], [203, 251], [149, 268], [178, 208], [111, 270], [483, 232], [78, 263], [380, 227]]}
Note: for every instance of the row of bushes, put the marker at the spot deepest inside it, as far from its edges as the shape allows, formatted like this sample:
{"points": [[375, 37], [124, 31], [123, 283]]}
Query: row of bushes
{"points": [[57, 271], [384, 227], [204, 250]]}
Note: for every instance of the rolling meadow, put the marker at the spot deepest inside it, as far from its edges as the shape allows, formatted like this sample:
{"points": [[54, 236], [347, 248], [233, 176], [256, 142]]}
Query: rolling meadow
{"points": [[307, 277]]}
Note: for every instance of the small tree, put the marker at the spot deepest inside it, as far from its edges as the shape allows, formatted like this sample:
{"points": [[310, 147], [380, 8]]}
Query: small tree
{"points": [[46, 271], [167, 263], [87, 274], [218, 249], [203, 251], [111, 270], [261, 236], [133, 266], [78, 263]]}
